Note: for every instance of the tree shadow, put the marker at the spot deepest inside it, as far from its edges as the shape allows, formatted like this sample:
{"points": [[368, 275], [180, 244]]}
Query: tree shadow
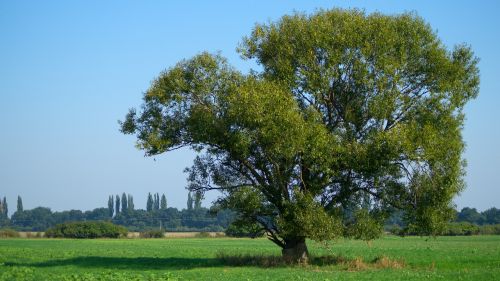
{"points": [[137, 263], [175, 263]]}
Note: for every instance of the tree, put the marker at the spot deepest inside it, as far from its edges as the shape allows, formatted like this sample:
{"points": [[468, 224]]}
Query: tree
{"points": [[157, 201], [19, 204], [351, 111], [198, 196], [470, 215], [491, 216], [117, 205], [5, 207], [110, 206], [37, 219], [124, 203], [130, 203], [149, 203], [189, 201], [163, 204]]}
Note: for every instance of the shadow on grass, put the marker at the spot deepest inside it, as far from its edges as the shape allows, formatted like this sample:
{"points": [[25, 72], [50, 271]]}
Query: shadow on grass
{"points": [[137, 263], [148, 263]]}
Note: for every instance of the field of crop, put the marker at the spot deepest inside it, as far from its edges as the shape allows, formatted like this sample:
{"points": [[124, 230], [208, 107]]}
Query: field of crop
{"points": [[391, 258]]}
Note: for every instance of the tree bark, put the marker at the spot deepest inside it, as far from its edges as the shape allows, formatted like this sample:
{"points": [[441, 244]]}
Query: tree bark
{"points": [[295, 250]]}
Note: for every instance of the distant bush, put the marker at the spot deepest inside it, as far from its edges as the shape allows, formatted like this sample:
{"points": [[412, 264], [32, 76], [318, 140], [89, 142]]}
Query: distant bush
{"points": [[152, 234], [203, 234], [87, 229], [490, 229], [8, 233], [461, 229]]}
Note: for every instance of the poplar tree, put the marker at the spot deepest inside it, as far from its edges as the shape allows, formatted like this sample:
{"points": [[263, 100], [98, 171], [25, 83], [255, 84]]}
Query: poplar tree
{"points": [[110, 206], [157, 202], [163, 204], [124, 203], [117, 205], [19, 204], [198, 196], [5, 207], [189, 201], [130, 204], [149, 203]]}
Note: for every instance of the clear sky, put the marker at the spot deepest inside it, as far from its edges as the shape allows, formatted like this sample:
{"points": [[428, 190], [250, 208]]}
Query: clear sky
{"points": [[70, 69]]}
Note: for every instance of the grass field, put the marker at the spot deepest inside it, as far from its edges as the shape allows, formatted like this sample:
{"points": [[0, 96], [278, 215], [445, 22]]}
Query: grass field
{"points": [[445, 258]]}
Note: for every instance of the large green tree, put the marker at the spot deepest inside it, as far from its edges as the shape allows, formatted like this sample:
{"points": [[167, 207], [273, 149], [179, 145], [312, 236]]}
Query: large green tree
{"points": [[353, 116]]}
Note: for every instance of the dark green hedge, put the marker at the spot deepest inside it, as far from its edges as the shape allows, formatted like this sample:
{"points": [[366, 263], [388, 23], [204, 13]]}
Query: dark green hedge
{"points": [[153, 234], [87, 229], [8, 233]]}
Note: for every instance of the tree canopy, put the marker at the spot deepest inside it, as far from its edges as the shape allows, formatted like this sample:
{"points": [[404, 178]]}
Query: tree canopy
{"points": [[353, 116]]}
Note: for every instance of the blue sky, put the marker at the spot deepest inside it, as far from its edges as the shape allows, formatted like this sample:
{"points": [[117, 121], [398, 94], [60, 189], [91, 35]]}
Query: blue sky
{"points": [[70, 69]]}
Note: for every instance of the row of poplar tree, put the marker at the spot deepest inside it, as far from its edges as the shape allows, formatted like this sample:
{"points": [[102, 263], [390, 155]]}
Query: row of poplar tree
{"points": [[119, 204], [124, 204], [4, 208]]}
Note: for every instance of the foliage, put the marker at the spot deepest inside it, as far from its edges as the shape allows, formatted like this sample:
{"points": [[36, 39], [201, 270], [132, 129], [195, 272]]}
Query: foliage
{"points": [[463, 228], [117, 205], [8, 233], [163, 203], [457, 229], [124, 203], [4, 209], [111, 209], [490, 216], [203, 234], [149, 203], [37, 219], [351, 111], [242, 229], [364, 226], [86, 229], [153, 234], [19, 204], [493, 229]]}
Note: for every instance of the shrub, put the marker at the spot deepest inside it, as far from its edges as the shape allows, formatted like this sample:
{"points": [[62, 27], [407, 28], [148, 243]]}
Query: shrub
{"points": [[152, 234], [87, 229], [203, 234], [8, 233], [461, 228], [490, 229]]}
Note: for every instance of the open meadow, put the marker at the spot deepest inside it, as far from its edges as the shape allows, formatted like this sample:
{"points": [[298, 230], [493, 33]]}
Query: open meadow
{"points": [[390, 258]]}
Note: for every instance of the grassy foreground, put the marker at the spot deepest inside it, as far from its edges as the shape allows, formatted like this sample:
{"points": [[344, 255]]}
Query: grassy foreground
{"points": [[444, 258]]}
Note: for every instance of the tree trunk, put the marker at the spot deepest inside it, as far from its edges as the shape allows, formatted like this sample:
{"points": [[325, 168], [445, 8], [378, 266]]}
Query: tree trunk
{"points": [[295, 250]]}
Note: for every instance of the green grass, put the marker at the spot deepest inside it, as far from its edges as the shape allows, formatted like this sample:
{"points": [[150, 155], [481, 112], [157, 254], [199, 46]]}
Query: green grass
{"points": [[444, 258]]}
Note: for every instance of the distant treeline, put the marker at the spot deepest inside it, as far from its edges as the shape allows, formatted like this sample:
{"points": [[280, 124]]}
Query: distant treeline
{"points": [[468, 215], [467, 222], [121, 211], [157, 215]]}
